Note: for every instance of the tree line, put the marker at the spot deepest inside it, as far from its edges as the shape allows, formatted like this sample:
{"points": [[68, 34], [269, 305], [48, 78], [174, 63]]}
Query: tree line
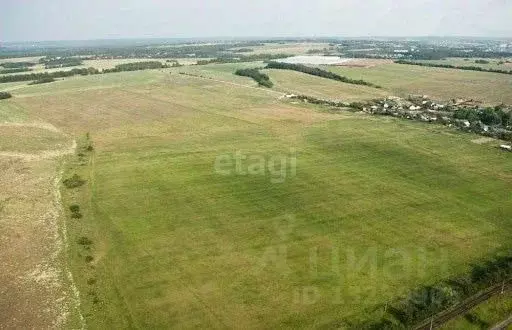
{"points": [[44, 75], [84, 72], [51, 63], [240, 59], [450, 66], [15, 70], [44, 80], [16, 65], [122, 50], [261, 78], [317, 72], [136, 66]]}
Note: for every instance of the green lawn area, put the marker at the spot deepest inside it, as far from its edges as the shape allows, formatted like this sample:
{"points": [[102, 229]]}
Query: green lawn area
{"points": [[438, 83], [373, 208]]}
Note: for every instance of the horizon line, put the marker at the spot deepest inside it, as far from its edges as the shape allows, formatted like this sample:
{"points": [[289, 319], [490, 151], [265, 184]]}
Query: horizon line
{"points": [[256, 38]]}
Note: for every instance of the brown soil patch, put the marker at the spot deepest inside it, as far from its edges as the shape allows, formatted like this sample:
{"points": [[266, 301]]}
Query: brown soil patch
{"points": [[36, 287]]}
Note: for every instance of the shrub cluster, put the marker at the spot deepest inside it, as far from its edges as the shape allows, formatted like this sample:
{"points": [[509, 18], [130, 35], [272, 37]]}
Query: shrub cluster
{"points": [[261, 78], [488, 116], [44, 80], [449, 66], [75, 211], [74, 182], [84, 241], [317, 72], [5, 95]]}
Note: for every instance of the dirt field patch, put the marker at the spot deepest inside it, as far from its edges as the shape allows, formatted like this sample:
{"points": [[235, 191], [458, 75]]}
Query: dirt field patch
{"points": [[364, 63], [35, 287]]}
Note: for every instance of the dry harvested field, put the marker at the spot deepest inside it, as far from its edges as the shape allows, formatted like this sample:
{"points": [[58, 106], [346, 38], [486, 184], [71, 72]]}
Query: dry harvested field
{"points": [[365, 62], [286, 48], [207, 202], [37, 289]]}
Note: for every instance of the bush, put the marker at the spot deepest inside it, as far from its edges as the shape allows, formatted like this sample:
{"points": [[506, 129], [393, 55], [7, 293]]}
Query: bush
{"points": [[74, 182], [85, 241], [5, 95], [76, 215], [89, 259], [74, 208], [489, 116], [468, 114]]}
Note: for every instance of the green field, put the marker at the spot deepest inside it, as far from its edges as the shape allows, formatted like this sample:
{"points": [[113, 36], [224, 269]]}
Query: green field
{"points": [[330, 215], [493, 63], [438, 83], [301, 83]]}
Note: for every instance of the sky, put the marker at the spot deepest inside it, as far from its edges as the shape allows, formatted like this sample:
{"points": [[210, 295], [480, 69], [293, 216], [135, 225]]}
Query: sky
{"points": [[42, 20]]}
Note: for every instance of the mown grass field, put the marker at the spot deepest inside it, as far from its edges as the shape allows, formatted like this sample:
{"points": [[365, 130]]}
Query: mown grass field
{"points": [[440, 83], [373, 208], [300, 83], [493, 63]]}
